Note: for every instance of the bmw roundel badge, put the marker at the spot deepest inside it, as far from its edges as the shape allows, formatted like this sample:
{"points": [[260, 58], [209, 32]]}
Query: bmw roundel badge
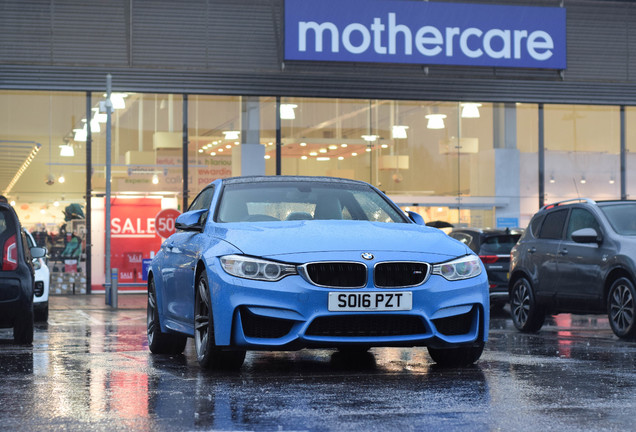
{"points": [[367, 256]]}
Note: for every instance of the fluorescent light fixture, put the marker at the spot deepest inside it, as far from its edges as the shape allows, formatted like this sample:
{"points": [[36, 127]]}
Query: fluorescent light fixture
{"points": [[94, 125], [100, 117], [287, 111], [231, 135], [66, 150], [399, 131], [322, 159], [80, 134], [370, 138], [470, 110], [435, 121], [117, 99]]}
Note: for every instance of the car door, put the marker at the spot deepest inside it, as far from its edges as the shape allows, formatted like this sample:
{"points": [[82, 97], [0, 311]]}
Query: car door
{"points": [[182, 250], [543, 252], [580, 265]]}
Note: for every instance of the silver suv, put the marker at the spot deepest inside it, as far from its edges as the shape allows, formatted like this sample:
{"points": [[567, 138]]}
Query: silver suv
{"points": [[577, 256]]}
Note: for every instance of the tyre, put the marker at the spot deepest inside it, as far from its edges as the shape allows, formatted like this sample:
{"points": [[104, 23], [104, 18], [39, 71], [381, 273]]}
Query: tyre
{"points": [[209, 355], [159, 342], [621, 308], [527, 315], [23, 327], [41, 313], [453, 357]]}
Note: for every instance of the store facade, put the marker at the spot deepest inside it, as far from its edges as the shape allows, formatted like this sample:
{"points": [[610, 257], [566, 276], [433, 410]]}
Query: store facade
{"points": [[464, 118]]}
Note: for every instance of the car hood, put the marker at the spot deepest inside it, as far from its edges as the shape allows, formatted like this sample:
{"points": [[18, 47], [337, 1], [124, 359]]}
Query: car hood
{"points": [[271, 239]]}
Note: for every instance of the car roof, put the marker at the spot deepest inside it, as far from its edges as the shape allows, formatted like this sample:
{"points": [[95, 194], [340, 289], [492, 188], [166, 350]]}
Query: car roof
{"points": [[260, 179]]}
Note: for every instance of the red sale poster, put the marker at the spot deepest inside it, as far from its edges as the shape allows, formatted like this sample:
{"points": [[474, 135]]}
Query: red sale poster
{"points": [[133, 237]]}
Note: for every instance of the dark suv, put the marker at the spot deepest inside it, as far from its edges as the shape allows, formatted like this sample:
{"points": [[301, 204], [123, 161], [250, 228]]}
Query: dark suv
{"points": [[577, 256], [16, 277], [493, 247]]}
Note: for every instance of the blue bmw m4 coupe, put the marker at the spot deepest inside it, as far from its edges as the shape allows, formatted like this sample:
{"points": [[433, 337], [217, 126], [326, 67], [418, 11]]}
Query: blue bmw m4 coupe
{"points": [[284, 263]]}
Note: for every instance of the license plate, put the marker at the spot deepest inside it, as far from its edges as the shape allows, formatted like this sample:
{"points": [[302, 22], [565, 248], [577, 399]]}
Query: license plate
{"points": [[370, 301]]}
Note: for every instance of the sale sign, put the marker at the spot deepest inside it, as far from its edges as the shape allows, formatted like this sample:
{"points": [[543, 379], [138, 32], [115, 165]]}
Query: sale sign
{"points": [[165, 222], [133, 237]]}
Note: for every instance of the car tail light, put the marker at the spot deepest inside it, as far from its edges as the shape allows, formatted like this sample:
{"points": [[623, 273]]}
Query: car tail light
{"points": [[489, 259], [10, 260]]}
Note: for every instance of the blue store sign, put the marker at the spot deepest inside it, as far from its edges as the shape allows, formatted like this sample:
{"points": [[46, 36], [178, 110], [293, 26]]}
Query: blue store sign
{"points": [[384, 31]]}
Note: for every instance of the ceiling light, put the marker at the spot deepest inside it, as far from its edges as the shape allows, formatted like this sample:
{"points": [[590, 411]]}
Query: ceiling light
{"points": [[155, 179], [200, 150], [303, 157], [229, 146], [611, 180], [333, 147], [370, 138], [583, 181], [303, 144], [67, 150], [212, 153], [470, 110], [323, 150], [368, 149], [399, 131], [435, 121], [80, 134], [322, 159], [287, 111], [344, 145], [552, 180], [267, 157], [340, 157], [100, 117], [231, 135], [117, 99], [22, 168], [354, 154], [384, 146], [61, 179], [313, 154]]}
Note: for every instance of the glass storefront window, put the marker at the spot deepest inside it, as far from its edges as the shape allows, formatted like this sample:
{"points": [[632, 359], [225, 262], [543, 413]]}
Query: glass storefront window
{"points": [[49, 194], [630, 156], [528, 144], [582, 152]]}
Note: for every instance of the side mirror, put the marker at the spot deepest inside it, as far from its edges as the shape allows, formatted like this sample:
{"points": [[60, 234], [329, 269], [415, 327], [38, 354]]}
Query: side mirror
{"points": [[415, 217], [38, 252], [191, 221], [586, 235]]}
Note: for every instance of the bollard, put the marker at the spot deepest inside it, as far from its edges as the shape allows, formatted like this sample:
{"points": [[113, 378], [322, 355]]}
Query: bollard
{"points": [[113, 287]]}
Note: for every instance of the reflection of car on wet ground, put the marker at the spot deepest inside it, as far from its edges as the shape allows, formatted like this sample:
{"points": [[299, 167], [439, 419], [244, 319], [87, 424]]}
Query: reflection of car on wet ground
{"points": [[280, 263], [16, 276], [493, 245], [577, 256], [42, 283]]}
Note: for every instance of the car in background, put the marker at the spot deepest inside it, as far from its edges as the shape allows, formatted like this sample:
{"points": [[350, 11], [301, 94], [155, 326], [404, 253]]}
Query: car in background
{"points": [[16, 276], [493, 245], [286, 262], [42, 284], [577, 256]]}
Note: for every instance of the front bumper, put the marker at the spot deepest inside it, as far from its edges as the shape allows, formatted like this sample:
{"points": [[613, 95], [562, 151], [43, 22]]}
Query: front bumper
{"points": [[293, 314]]}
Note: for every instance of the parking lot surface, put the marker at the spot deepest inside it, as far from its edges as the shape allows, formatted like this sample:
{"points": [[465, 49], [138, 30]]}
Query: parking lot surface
{"points": [[90, 369]]}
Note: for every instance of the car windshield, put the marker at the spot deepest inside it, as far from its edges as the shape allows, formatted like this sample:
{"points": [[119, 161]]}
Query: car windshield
{"points": [[501, 244], [622, 217], [278, 201]]}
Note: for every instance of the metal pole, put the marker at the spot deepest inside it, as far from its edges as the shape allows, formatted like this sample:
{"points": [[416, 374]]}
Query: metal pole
{"points": [[623, 153], [185, 153], [114, 278], [541, 154], [109, 109], [278, 137], [89, 187]]}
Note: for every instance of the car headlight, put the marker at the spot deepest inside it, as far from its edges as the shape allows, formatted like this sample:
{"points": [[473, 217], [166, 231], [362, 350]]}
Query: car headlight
{"points": [[256, 268], [461, 268]]}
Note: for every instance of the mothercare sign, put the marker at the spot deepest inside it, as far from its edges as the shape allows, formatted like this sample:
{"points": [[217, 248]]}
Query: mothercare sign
{"points": [[425, 33]]}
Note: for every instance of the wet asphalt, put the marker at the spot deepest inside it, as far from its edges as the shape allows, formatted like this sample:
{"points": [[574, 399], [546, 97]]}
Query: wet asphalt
{"points": [[89, 369]]}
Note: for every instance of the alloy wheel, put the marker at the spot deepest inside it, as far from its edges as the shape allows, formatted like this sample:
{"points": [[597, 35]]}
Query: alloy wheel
{"points": [[520, 303], [202, 319], [621, 308]]}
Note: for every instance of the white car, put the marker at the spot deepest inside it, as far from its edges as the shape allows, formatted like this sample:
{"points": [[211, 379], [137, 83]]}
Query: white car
{"points": [[42, 283]]}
